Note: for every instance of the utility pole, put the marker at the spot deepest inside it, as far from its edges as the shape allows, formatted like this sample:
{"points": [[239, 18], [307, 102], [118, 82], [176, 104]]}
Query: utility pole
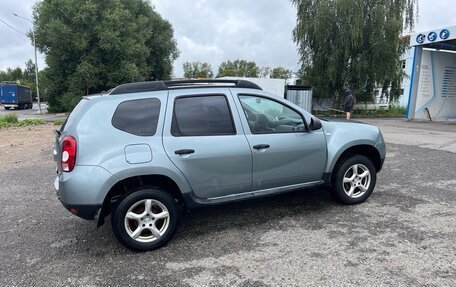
{"points": [[36, 61]]}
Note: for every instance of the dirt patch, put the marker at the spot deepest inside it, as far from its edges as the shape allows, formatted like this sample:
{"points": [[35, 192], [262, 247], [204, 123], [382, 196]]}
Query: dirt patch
{"points": [[25, 145]]}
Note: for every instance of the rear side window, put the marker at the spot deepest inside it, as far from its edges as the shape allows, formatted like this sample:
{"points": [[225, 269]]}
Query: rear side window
{"points": [[138, 117], [202, 116]]}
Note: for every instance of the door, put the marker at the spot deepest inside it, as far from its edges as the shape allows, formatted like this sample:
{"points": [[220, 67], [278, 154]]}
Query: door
{"points": [[204, 139], [284, 151]]}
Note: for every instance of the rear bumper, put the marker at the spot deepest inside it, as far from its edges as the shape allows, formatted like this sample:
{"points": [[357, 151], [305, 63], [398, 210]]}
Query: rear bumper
{"points": [[88, 212], [83, 190]]}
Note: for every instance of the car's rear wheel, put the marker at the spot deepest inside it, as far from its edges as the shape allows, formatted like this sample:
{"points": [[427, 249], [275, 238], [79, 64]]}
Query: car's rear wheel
{"points": [[145, 220], [354, 180]]}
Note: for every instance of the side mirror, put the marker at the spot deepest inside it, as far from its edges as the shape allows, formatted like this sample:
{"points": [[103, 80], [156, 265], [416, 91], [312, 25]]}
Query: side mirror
{"points": [[315, 124]]}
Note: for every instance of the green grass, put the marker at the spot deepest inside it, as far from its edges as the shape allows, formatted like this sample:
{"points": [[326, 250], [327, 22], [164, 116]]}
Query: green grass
{"points": [[58, 122], [10, 120], [30, 122], [393, 111]]}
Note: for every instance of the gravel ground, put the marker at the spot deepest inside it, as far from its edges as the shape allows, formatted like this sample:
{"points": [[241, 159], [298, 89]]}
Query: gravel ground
{"points": [[402, 236]]}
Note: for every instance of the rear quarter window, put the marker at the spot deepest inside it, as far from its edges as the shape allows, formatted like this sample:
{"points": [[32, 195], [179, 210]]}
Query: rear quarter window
{"points": [[137, 117]]}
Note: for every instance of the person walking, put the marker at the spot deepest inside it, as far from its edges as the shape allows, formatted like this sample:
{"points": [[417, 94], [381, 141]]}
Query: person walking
{"points": [[348, 103]]}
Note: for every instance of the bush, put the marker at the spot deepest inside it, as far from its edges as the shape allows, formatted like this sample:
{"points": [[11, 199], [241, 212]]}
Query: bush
{"points": [[9, 118]]}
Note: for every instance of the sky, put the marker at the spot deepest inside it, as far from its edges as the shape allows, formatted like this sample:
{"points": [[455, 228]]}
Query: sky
{"points": [[211, 31]]}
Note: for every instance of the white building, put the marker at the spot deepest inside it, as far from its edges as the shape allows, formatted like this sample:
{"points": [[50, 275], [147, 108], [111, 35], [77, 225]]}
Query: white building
{"points": [[431, 88]]}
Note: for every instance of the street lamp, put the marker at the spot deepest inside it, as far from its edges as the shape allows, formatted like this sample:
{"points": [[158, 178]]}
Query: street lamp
{"points": [[36, 61]]}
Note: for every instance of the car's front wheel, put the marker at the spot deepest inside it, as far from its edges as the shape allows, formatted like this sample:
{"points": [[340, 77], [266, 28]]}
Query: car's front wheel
{"points": [[354, 180], [145, 220]]}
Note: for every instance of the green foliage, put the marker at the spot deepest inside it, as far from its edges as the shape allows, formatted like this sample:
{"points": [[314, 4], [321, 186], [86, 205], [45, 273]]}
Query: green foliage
{"points": [[30, 122], [92, 46], [281, 73], [29, 72], [193, 70], [5, 124], [265, 72], [58, 122], [238, 68], [391, 111], [275, 73], [9, 118], [11, 75], [352, 43]]}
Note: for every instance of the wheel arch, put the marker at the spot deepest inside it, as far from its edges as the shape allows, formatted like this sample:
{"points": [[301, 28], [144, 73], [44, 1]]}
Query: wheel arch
{"points": [[366, 150], [128, 185]]}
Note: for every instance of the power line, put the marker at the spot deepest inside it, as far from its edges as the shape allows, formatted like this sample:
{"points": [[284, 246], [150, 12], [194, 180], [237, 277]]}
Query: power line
{"points": [[1, 20]]}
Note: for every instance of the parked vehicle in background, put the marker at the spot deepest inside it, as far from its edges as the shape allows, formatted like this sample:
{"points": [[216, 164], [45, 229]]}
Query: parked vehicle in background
{"points": [[15, 96], [147, 150]]}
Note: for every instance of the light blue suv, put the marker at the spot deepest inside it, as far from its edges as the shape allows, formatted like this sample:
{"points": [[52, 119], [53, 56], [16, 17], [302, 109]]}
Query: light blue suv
{"points": [[145, 151]]}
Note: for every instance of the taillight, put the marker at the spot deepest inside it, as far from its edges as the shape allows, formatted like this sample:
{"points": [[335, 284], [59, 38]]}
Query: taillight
{"points": [[68, 154]]}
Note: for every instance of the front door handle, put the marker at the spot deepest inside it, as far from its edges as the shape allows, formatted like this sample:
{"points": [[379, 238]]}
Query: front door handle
{"points": [[261, 146], [184, 151]]}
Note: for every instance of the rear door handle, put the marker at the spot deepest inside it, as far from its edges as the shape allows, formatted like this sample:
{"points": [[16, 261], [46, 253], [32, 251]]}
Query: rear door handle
{"points": [[184, 151], [261, 146]]}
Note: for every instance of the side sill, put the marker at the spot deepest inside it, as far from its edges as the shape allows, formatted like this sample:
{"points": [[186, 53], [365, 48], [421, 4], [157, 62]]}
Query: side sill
{"points": [[193, 202]]}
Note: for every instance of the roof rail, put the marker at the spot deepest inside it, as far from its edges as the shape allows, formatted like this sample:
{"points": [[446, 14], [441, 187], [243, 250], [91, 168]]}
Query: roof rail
{"points": [[180, 84]]}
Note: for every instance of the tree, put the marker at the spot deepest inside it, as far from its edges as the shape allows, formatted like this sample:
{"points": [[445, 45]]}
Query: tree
{"points": [[92, 46], [29, 72], [12, 74], [281, 73], [195, 70], [351, 43], [265, 72], [238, 68]]}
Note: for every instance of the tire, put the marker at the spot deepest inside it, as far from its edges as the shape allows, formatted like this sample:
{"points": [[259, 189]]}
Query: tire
{"points": [[354, 180], [7, 108], [142, 230]]}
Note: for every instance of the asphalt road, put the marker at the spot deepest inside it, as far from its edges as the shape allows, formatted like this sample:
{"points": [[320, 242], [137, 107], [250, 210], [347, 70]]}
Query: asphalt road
{"points": [[404, 235], [34, 110], [34, 113]]}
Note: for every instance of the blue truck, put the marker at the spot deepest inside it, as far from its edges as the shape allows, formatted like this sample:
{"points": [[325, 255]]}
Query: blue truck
{"points": [[15, 96]]}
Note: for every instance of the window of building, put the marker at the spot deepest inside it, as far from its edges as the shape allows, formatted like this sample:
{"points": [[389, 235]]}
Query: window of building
{"points": [[138, 117], [202, 116]]}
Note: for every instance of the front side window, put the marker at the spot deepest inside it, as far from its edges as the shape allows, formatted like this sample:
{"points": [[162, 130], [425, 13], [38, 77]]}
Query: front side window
{"points": [[202, 116], [268, 116]]}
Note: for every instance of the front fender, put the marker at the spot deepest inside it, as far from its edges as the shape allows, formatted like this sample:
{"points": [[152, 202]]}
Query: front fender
{"points": [[341, 136]]}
